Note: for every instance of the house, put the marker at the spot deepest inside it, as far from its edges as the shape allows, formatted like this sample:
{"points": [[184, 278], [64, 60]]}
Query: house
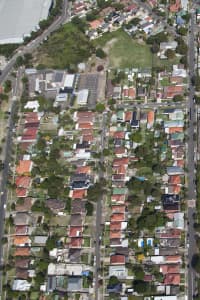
{"points": [[21, 285], [22, 251], [119, 271], [75, 231], [77, 206], [117, 259], [24, 205], [21, 230], [150, 119], [74, 283], [76, 220], [55, 205], [135, 120], [172, 279], [22, 263], [24, 167], [170, 269], [40, 240], [21, 241], [22, 218], [76, 242], [114, 288], [172, 91], [78, 194], [175, 171]]}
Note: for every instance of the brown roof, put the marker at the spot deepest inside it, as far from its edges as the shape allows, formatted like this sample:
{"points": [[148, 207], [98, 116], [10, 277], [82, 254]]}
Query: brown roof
{"points": [[21, 273], [25, 206], [22, 263], [117, 259], [21, 230], [24, 167], [55, 205]]}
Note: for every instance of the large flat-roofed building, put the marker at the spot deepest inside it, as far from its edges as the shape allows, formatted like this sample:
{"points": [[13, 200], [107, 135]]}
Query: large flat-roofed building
{"points": [[20, 17]]}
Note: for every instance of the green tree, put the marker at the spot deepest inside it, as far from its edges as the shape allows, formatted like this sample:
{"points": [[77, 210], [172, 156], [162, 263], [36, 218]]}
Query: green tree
{"points": [[169, 53], [113, 280], [140, 286], [196, 262], [136, 137], [178, 98], [100, 107], [89, 208], [7, 86], [100, 53]]}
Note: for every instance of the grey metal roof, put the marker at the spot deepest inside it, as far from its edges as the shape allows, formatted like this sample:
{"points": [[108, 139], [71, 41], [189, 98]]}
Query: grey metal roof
{"points": [[19, 18]]}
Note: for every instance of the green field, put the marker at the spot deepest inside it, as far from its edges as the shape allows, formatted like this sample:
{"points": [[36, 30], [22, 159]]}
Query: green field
{"points": [[123, 51]]}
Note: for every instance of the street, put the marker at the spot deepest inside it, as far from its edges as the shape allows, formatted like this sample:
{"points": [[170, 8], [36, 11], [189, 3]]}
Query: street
{"points": [[98, 232], [190, 159]]}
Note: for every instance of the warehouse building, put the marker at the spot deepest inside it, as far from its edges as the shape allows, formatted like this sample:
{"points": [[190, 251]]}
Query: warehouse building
{"points": [[19, 18]]}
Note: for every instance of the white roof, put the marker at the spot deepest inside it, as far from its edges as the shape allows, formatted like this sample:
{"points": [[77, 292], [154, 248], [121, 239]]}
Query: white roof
{"points": [[69, 80], [65, 269], [19, 18], [118, 271], [32, 105], [82, 97], [21, 285], [165, 298]]}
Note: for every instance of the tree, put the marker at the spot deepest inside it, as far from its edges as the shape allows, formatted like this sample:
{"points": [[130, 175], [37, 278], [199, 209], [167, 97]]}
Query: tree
{"points": [[100, 107], [136, 137], [100, 53], [169, 53], [113, 280], [89, 208], [138, 272], [140, 286], [195, 263], [51, 242], [19, 61], [178, 98], [182, 31], [7, 86]]}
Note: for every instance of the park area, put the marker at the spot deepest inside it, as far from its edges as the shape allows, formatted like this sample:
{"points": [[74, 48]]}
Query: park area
{"points": [[125, 52]]}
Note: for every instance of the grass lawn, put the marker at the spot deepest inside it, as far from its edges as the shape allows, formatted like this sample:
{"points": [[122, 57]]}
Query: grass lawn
{"points": [[34, 296], [84, 258], [125, 52], [86, 242]]}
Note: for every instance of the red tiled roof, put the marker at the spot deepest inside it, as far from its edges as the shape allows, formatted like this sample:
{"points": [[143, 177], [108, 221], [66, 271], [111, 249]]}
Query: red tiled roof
{"points": [[115, 226], [23, 181], [117, 217], [172, 279], [175, 129], [76, 242], [120, 161], [75, 231], [173, 258], [21, 192], [21, 240], [117, 259], [118, 209], [128, 116], [24, 167], [150, 117], [30, 134], [175, 179], [22, 251], [131, 93], [96, 23], [115, 234], [171, 91], [78, 194], [175, 7], [83, 170], [119, 135], [118, 198], [21, 229], [166, 269], [85, 126], [119, 169]]}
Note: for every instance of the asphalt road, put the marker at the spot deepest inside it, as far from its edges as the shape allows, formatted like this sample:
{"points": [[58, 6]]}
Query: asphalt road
{"points": [[98, 231], [30, 47], [191, 158]]}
